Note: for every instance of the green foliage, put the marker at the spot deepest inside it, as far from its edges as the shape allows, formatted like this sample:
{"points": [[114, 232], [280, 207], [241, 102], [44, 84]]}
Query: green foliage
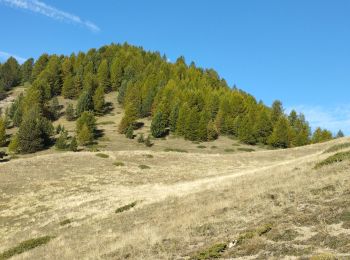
{"points": [[141, 139], [128, 119], [99, 100], [103, 76], [336, 158], [245, 149], [14, 144], [10, 74], [34, 132], [70, 112], [62, 141], [144, 167], [340, 134], [102, 155], [148, 141], [85, 102], [130, 132], [158, 125], [126, 207], [25, 246], [26, 70], [321, 135], [65, 222], [2, 132], [86, 127], [118, 164], [69, 89], [280, 135], [55, 109], [215, 251], [73, 146]]}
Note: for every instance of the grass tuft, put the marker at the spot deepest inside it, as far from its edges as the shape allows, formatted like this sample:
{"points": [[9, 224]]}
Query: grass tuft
{"points": [[106, 123], [65, 222], [102, 155], [214, 251], [125, 207], [144, 167], [148, 155], [25, 246], [229, 150], [336, 158], [118, 164], [201, 146]]}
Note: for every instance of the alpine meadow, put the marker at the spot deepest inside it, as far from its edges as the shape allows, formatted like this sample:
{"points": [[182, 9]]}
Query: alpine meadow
{"points": [[120, 152]]}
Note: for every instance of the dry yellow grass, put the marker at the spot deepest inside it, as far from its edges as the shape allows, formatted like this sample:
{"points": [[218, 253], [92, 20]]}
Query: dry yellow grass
{"points": [[185, 203]]}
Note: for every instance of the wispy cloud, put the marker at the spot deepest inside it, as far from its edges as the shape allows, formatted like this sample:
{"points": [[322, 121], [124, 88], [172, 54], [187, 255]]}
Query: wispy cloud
{"points": [[333, 118], [6, 55], [50, 11]]}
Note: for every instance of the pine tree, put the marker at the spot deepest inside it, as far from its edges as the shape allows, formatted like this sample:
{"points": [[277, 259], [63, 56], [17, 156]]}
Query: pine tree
{"points": [[88, 119], [174, 114], [61, 142], [26, 70], [130, 132], [68, 88], [280, 135], [70, 112], [246, 131], [14, 144], [340, 134], [34, 132], [116, 73], [73, 146], [99, 100], [85, 102], [202, 132], [103, 76], [2, 132], [212, 131], [128, 119], [158, 125], [321, 135], [10, 73], [55, 109], [277, 111], [85, 136], [191, 125], [181, 120], [263, 127]]}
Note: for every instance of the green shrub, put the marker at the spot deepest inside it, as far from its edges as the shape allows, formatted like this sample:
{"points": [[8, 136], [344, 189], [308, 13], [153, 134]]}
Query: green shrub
{"points": [[25, 246], [148, 141], [229, 150], [144, 167], [175, 150], [102, 155], [201, 146], [214, 147], [214, 251], [130, 132], [148, 155], [337, 147], [118, 164], [141, 139], [126, 207], [65, 222], [338, 157]]}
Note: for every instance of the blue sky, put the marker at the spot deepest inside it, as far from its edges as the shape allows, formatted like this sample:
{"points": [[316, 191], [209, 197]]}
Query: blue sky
{"points": [[293, 50]]}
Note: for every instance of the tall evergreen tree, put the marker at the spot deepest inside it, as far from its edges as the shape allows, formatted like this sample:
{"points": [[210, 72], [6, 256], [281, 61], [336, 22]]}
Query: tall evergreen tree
{"points": [[128, 119], [85, 102], [2, 132], [26, 70], [103, 76], [277, 111], [280, 135], [99, 100], [158, 125], [10, 73]]}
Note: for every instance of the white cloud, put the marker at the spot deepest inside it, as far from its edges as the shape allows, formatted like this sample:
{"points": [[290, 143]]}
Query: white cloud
{"points": [[333, 118], [50, 11], [6, 55]]}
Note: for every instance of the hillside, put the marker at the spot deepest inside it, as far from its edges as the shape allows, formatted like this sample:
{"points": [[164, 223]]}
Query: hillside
{"points": [[198, 204]]}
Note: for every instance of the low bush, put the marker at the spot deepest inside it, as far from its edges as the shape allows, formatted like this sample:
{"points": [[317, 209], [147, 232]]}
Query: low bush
{"points": [[125, 207], [25, 246], [144, 167], [337, 147], [118, 164], [65, 222], [336, 158], [246, 149], [102, 155], [214, 251], [201, 146], [229, 150]]}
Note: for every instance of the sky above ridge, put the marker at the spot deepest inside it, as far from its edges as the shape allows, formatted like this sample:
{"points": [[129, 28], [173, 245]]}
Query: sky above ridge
{"points": [[294, 50]]}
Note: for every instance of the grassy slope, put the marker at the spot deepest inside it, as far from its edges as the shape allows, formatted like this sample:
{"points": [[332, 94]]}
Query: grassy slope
{"points": [[186, 203]]}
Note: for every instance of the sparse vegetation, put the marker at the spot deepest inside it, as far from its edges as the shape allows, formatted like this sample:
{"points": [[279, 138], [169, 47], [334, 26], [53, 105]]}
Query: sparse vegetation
{"points": [[102, 155], [65, 222], [229, 150], [243, 149], [214, 251], [144, 167], [126, 207], [25, 246], [201, 146], [336, 158], [119, 164]]}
